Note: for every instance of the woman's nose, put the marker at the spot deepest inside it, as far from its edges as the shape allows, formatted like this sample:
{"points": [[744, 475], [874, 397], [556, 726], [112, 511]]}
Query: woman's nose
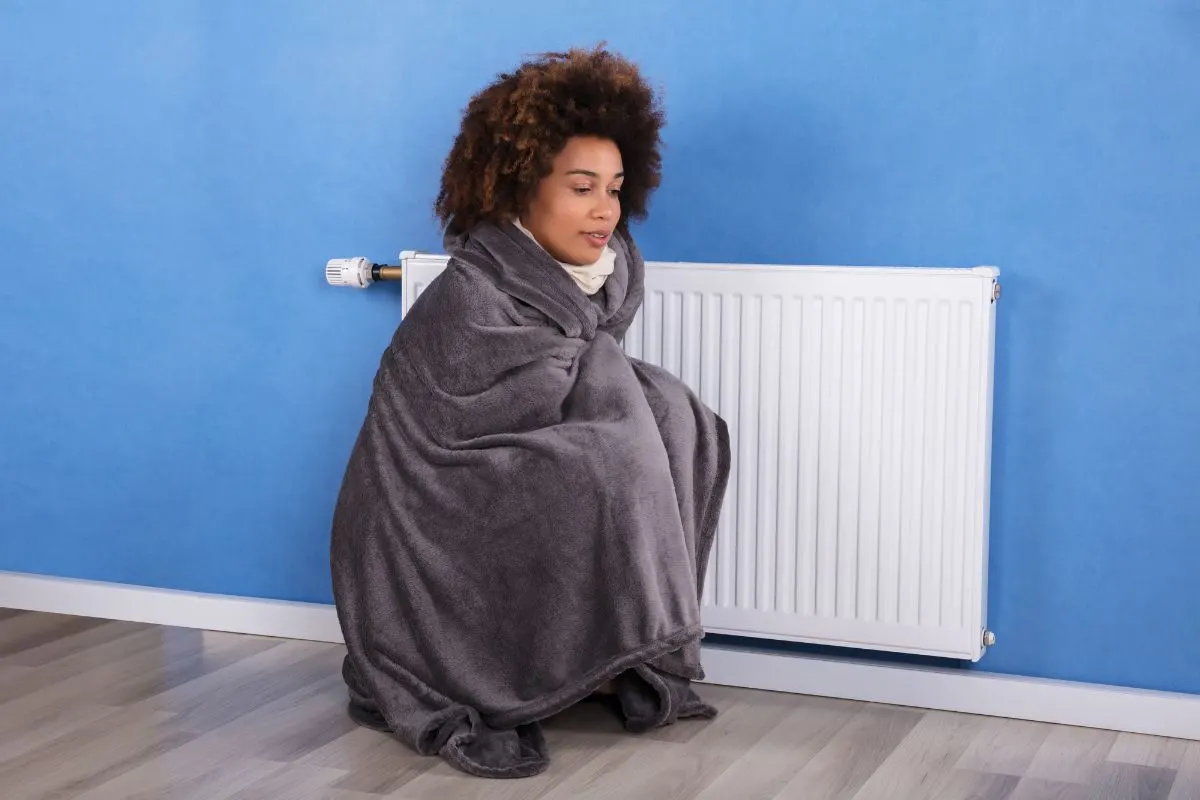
{"points": [[606, 207]]}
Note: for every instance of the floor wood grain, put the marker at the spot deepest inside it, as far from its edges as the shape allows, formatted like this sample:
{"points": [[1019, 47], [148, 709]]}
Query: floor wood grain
{"points": [[1071, 755], [1187, 780], [96, 710]]}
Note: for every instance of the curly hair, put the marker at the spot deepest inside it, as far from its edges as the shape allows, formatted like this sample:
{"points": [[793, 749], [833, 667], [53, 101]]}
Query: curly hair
{"points": [[513, 129]]}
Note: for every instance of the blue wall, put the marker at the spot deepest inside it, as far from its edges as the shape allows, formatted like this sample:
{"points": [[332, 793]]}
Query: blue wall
{"points": [[180, 389]]}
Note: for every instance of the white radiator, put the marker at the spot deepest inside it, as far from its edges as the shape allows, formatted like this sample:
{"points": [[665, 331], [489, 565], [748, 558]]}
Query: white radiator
{"points": [[859, 406]]}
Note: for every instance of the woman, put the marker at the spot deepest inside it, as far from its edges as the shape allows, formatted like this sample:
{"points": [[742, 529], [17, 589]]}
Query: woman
{"points": [[527, 514]]}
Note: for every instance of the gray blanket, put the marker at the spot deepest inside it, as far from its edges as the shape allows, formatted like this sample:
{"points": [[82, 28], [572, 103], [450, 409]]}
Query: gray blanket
{"points": [[527, 514]]}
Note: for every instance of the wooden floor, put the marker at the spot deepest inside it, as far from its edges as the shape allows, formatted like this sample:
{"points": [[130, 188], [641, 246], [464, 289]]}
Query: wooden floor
{"points": [[93, 709]]}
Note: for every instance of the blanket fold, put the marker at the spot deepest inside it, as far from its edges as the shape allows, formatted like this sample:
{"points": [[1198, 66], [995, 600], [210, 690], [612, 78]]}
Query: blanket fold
{"points": [[527, 514]]}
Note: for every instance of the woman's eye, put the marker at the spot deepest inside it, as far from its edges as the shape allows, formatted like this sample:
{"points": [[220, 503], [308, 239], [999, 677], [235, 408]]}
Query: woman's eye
{"points": [[582, 189], [614, 192]]}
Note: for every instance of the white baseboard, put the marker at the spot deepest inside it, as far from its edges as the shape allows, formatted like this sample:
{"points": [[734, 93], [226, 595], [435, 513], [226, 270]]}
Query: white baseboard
{"points": [[969, 691], [278, 618]]}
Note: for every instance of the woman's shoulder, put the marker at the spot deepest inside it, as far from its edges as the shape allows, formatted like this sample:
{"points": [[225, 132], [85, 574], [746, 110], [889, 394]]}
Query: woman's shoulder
{"points": [[460, 294]]}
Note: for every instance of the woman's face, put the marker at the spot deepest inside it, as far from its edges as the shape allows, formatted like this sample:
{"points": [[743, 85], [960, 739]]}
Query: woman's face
{"points": [[577, 206]]}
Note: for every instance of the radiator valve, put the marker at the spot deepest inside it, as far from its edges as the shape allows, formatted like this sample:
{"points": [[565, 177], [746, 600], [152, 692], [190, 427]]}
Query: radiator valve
{"points": [[354, 272], [359, 272]]}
